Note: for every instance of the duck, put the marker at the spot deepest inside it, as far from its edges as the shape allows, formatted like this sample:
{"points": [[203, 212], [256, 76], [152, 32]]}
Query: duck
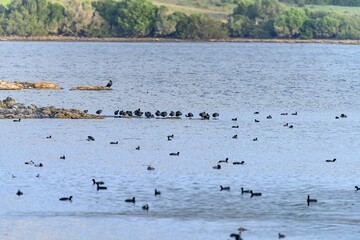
{"points": [[237, 236], [242, 229], [269, 117], [48, 137], [239, 163], [255, 139], [214, 115], [329, 160], [150, 168], [62, 157], [37, 175], [157, 192], [98, 112], [148, 114], [132, 200], [291, 126], [235, 126], [286, 124], [117, 142], [257, 121], [31, 162], [295, 113], [172, 114], [19, 193], [39, 165], [109, 84], [357, 188], [13, 176], [98, 187], [163, 114], [17, 120], [98, 183], [309, 200], [175, 154], [235, 136], [283, 114], [281, 235], [66, 198], [145, 207], [90, 138], [137, 148], [234, 119], [341, 115], [178, 114], [189, 115], [255, 194], [244, 191], [256, 112], [217, 167], [224, 188], [116, 112], [224, 161], [157, 113]]}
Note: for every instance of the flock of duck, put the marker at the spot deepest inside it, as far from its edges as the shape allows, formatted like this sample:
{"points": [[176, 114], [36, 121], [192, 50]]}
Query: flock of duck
{"points": [[100, 185]]}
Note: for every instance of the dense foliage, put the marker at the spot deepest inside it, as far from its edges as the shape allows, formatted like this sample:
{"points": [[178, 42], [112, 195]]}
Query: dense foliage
{"points": [[140, 18], [350, 3]]}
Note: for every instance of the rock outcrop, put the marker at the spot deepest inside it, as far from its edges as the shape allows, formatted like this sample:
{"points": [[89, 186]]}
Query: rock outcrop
{"points": [[28, 85], [91, 88], [10, 109]]}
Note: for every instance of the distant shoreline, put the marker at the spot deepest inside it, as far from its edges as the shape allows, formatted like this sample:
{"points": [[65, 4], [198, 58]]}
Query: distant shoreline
{"points": [[230, 40]]}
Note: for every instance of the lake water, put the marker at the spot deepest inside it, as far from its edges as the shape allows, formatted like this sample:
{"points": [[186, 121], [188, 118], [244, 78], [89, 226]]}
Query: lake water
{"points": [[318, 81]]}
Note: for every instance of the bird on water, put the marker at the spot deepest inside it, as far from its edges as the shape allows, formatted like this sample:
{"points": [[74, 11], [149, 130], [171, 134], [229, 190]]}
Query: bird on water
{"points": [[66, 199]]}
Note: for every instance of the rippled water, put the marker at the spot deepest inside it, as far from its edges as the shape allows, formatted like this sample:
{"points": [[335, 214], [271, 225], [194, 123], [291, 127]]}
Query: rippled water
{"points": [[318, 81]]}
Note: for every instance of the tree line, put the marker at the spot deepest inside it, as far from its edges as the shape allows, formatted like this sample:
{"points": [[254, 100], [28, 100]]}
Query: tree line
{"points": [[140, 18]]}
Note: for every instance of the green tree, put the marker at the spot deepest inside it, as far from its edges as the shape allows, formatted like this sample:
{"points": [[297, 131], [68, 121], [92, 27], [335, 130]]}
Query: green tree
{"points": [[136, 18], [289, 23]]}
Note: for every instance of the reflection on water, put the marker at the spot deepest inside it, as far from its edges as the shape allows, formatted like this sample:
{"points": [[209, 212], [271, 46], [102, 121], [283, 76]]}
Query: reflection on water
{"points": [[285, 165]]}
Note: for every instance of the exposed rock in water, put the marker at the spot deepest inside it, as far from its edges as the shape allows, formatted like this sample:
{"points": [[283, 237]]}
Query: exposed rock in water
{"points": [[91, 88], [28, 85], [10, 109]]}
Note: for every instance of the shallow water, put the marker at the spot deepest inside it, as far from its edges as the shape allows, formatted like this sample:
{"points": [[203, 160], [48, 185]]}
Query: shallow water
{"points": [[318, 81]]}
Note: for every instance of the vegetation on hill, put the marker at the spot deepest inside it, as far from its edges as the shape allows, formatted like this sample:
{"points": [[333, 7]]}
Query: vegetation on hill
{"points": [[142, 18]]}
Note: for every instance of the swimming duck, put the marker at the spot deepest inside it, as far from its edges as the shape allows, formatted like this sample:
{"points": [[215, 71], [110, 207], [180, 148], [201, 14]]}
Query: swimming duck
{"points": [[224, 161], [48, 137], [357, 188], [31, 162], [217, 167], [245, 191], [234, 119], [239, 163], [214, 115], [255, 194], [98, 183], [98, 187], [114, 142], [62, 157], [333, 160], [17, 120], [39, 165], [309, 200], [150, 168], [174, 154], [19, 193], [130, 200], [189, 115], [224, 188], [145, 207], [137, 148], [281, 235], [178, 114], [98, 111], [235, 136], [157, 192], [90, 138], [66, 199], [237, 126]]}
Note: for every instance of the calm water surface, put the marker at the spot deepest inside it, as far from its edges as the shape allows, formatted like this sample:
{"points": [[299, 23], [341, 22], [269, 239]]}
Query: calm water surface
{"points": [[317, 81]]}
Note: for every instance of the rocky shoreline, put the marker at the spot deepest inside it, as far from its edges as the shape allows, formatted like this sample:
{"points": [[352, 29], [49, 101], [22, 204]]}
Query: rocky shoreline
{"points": [[233, 40], [4, 85], [9, 109]]}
